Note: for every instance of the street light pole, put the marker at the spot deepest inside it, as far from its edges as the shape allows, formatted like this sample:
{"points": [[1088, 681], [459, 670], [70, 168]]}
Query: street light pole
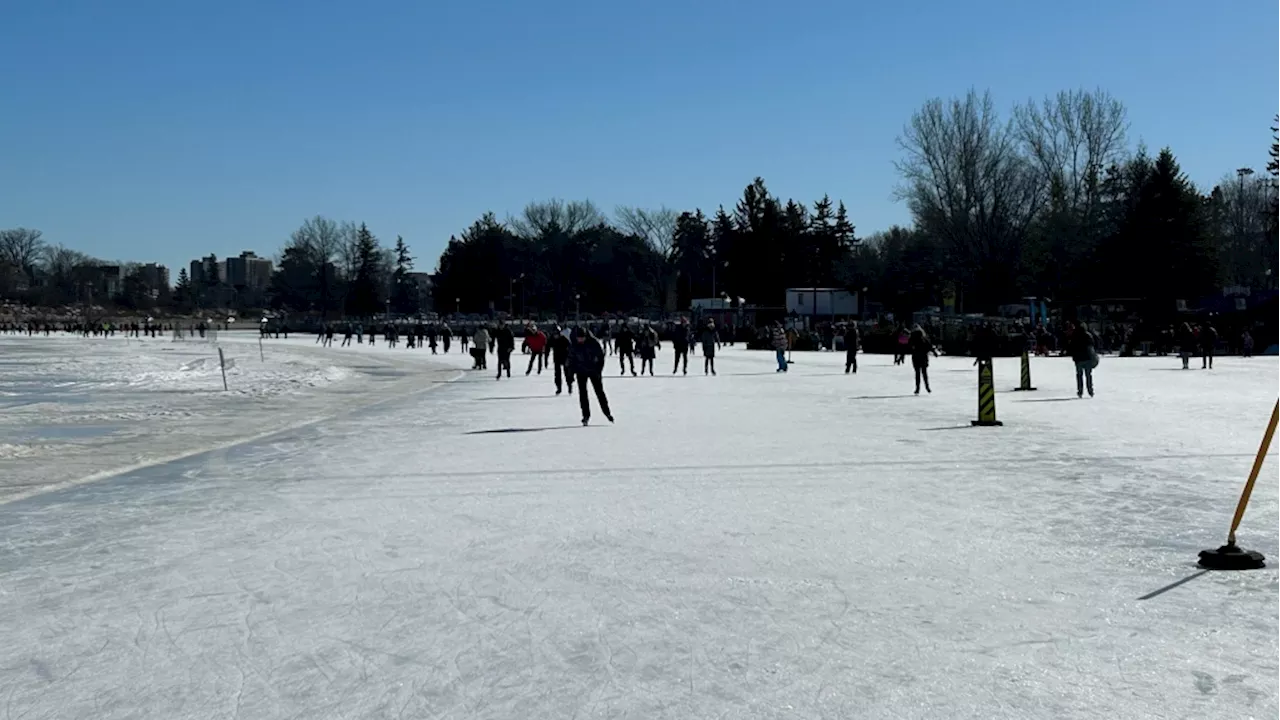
{"points": [[511, 294], [577, 307], [1241, 174]]}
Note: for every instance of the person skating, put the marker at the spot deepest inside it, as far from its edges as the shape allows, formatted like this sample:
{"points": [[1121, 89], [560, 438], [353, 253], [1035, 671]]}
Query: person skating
{"points": [[446, 337], [625, 342], [586, 363], [536, 341], [1080, 345], [480, 348], [710, 338], [780, 341], [647, 347], [1208, 345], [606, 339], [680, 345], [900, 353], [851, 341], [1186, 341], [505, 344], [1246, 344], [559, 346], [919, 346]]}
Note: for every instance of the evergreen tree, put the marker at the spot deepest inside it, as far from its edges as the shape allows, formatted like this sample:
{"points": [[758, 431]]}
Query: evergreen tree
{"points": [[690, 255], [365, 292], [404, 298], [724, 245], [181, 298]]}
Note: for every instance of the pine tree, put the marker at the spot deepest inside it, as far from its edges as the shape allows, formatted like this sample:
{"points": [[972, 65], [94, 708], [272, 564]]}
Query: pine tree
{"points": [[404, 297], [690, 249], [364, 294], [1273, 166], [181, 297]]}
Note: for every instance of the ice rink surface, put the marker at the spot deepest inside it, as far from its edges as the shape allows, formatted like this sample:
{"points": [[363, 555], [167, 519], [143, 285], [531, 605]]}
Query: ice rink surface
{"points": [[751, 545]]}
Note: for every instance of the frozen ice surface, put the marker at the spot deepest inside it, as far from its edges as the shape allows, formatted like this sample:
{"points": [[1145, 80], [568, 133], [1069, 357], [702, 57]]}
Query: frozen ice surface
{"points": [[73, 409], [751, 545]]}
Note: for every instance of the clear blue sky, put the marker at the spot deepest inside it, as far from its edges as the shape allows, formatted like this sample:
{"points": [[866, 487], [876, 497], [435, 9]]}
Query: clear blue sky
{"points": [[165, 129]]}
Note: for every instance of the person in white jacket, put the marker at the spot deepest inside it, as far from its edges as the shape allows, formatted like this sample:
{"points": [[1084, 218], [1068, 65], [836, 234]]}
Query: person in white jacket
{"points": [[480, 348]]}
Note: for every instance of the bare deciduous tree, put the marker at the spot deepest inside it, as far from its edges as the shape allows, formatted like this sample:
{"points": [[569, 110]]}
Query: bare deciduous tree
{"points": [[1072, 137], [22, 248], [657, 227], [966, 184], [542, 219], [349, 248], [319, 239]]}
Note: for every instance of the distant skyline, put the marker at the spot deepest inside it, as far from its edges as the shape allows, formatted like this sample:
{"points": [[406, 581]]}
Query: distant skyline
{"points": [[153, 131]]}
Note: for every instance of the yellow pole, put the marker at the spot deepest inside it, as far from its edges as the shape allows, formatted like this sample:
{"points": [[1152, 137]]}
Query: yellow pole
{"points": [[1253, 474]]}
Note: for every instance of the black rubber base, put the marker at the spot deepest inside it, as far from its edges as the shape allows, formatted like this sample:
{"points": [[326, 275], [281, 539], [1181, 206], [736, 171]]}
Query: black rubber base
{"points": [[1231, 557], [1021, 389], [986, 423]]}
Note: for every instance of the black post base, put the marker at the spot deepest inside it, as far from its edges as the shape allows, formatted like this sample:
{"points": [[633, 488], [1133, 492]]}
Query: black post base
{"points": [[986, 423], [1021, 389], [1231, 557]]}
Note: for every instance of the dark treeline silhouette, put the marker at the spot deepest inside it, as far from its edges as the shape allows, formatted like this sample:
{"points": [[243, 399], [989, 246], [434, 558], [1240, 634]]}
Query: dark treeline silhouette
{"points": [[1050, 201]]}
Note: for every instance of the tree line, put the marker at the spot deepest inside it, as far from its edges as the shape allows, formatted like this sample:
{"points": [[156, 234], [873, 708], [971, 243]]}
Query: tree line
{"points": [[1051, 200]]}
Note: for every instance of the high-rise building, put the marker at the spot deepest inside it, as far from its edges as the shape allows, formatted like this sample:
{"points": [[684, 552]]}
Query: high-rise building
{"points": [[204, 271], [248, 271], [155, 277]]}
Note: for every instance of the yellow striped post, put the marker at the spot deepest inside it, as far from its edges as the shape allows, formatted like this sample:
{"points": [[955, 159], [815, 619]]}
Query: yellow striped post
{"points": [[1026, 372], [986, 396]]}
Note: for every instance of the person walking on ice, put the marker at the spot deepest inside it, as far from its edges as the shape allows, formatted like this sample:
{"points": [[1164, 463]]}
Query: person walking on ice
{"points": [[586, 362], [647, 347], [680, 344], [851, 341], [709, 341], [506, 344], [778, 336], [1084, 354], [919, 346]]}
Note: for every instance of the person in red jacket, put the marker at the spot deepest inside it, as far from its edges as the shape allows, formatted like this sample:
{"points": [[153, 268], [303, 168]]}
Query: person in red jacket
{"points": [[536, 341]]}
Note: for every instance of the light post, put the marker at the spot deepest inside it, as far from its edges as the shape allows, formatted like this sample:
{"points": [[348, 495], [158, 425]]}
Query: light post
{"points": [[1241, 174], [457, 306], [577, 307], [511, 294]]}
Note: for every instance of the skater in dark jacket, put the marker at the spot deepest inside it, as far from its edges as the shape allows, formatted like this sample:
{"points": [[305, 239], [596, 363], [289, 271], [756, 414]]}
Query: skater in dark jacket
{"points": [[586, 362], [625, 342], [1083, 353], [851, 341], [559, 345], [680, 345], [1208, 345], [1186, 342], [710, 339], [506, 344], [919, 346]]}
